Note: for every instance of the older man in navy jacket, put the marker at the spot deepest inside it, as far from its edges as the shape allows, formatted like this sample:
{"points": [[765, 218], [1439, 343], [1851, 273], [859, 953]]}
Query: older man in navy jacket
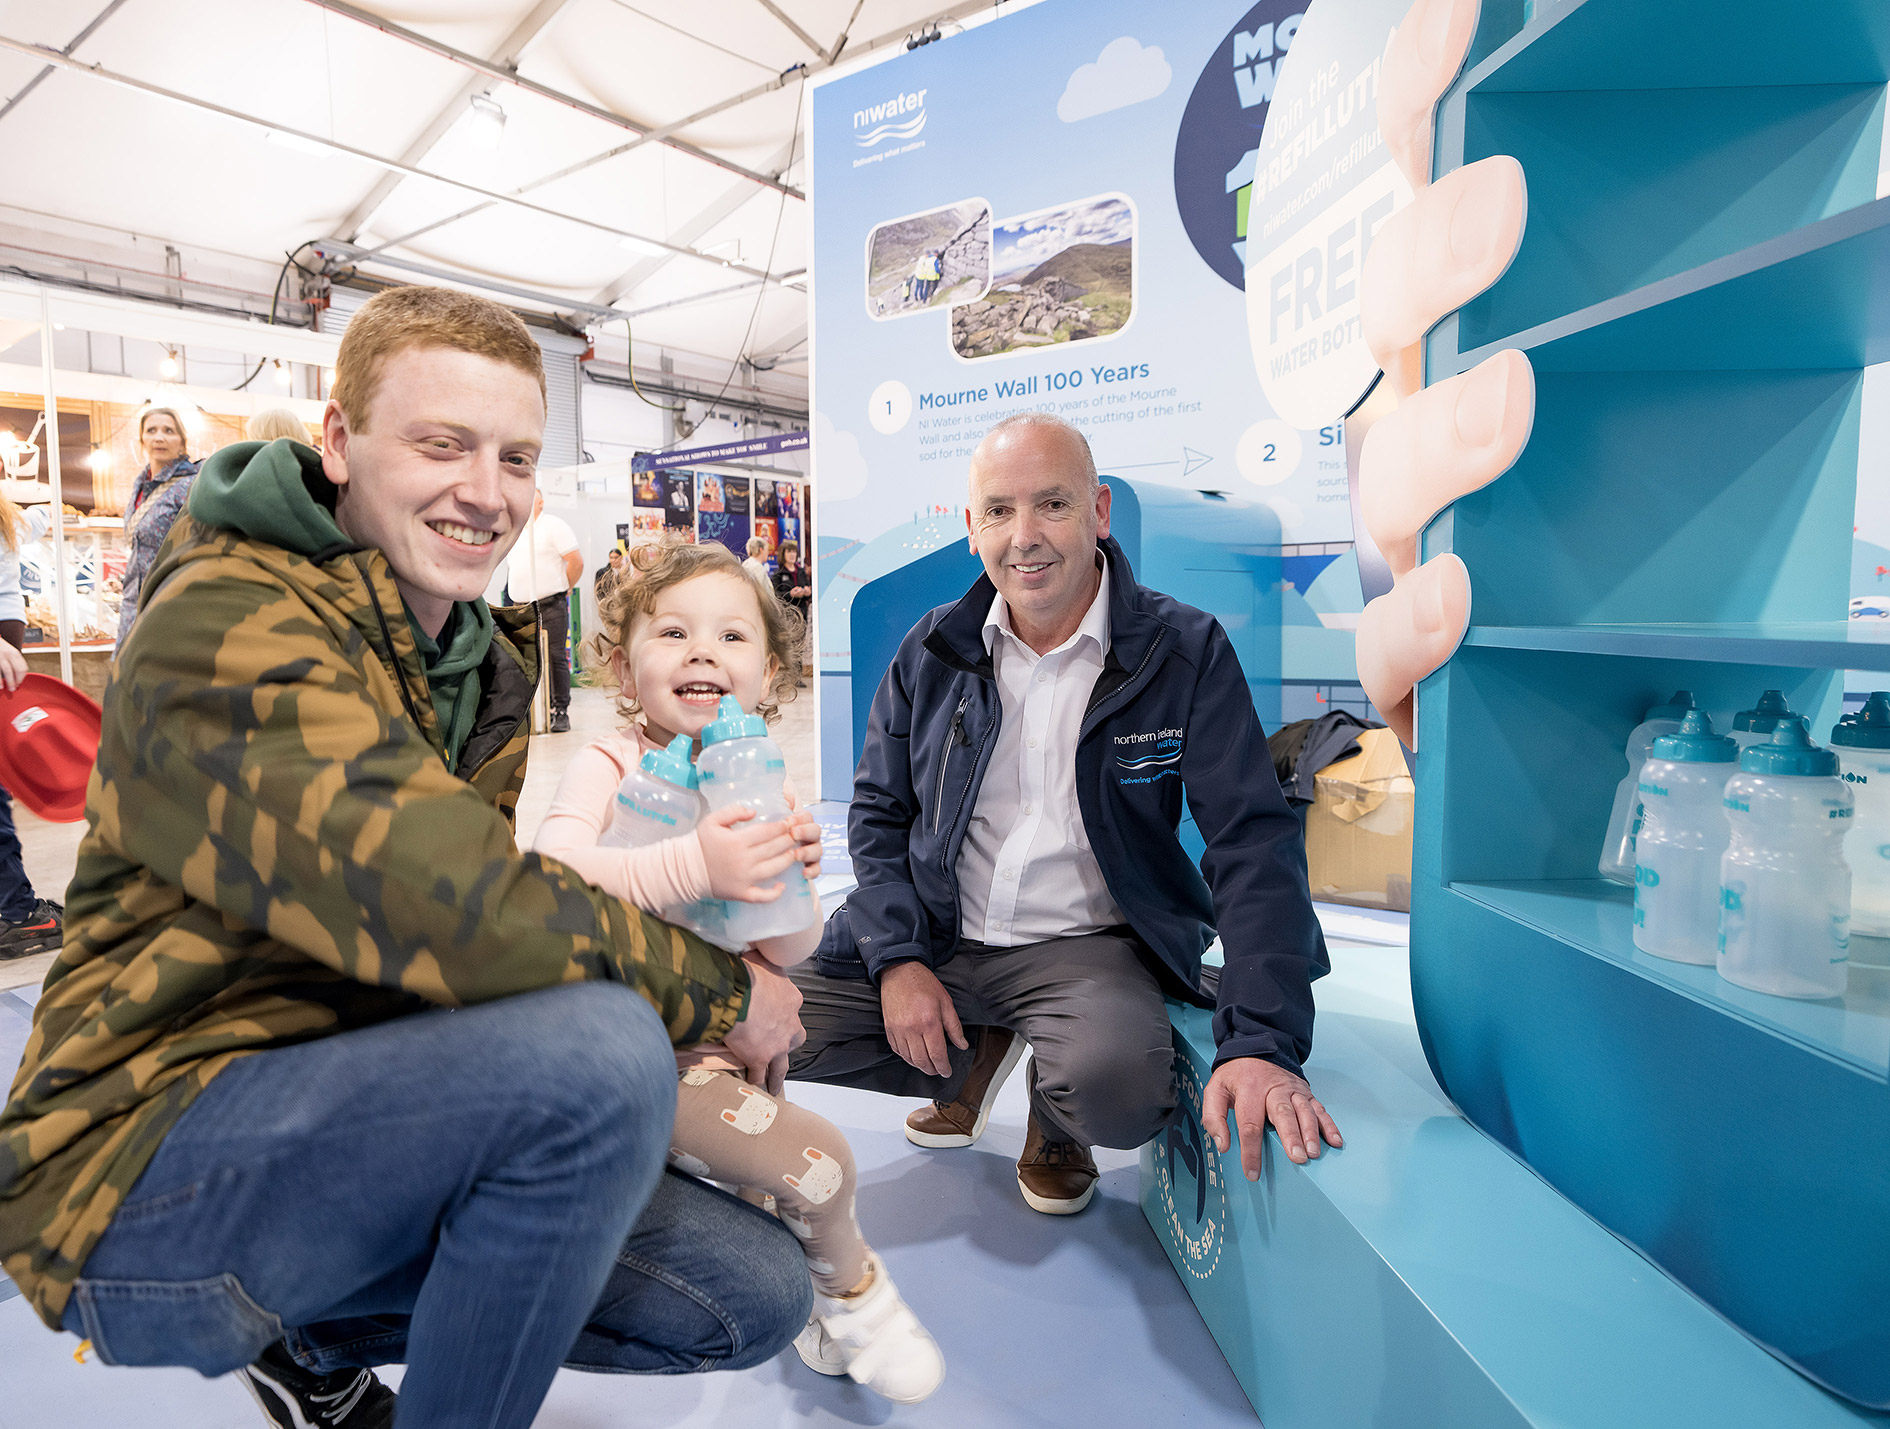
{"points": [[1014, 834]]}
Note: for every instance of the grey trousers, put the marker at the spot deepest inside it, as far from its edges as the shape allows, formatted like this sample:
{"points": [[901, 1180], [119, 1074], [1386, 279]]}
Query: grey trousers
{"points": [[1102, 1062]]}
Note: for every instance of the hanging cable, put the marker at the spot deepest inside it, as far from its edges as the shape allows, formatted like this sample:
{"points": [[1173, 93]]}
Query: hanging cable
{"points": [[761, 294]]}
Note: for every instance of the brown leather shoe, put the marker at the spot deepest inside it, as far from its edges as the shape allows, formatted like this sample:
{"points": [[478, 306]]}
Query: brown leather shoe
{"points": [[1056, 1177], [961, 1122]]}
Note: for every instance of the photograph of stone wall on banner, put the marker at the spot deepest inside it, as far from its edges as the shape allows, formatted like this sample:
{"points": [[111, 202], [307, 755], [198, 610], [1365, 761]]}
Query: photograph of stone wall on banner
{"points": [[1064, 274], [929, 260]]}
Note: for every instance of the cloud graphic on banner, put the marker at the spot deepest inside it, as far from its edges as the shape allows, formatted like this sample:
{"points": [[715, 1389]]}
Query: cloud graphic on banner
{"points": [[839, 469], [1126, 72]]}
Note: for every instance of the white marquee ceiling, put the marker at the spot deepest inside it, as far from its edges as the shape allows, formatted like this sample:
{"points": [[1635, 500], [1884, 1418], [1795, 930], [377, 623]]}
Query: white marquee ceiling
{"points": [[383, 146]]}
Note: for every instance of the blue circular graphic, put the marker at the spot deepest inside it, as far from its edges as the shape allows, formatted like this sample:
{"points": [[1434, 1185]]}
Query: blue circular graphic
{"points": [[1188, 1182], [1220, 133]]}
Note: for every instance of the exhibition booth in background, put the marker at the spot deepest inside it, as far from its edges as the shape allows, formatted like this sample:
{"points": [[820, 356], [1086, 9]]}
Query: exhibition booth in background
{"points": [[1581, 1184]]}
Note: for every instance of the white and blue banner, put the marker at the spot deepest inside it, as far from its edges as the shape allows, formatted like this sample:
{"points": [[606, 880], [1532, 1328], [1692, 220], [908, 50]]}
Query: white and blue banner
{"points": [[1049, 211]]}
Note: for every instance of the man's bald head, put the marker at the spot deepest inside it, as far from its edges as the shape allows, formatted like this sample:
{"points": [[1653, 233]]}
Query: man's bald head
{"points": [[1050, 437]]}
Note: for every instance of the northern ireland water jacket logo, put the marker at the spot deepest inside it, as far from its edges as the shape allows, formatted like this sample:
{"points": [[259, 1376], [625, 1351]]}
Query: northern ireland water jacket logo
{"points": [[899, 118], [1150, 750], [1189, 1189]]}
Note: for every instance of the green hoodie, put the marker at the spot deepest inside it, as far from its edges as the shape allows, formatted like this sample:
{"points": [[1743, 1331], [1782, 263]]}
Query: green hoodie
{"points": [[277, 492]]}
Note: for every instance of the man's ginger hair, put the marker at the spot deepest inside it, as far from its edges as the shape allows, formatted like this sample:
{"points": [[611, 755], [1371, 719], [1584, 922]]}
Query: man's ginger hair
{"points": [[400, 318]]}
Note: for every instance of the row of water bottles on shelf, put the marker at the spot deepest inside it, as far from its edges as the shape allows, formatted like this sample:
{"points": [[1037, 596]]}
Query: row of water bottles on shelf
{"points": [[1759, 852], [668, 795]]}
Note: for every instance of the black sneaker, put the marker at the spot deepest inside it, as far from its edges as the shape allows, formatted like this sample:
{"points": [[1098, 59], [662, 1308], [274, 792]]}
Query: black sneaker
{"points": [[294, 1398], [41, 931], [560, 722]]}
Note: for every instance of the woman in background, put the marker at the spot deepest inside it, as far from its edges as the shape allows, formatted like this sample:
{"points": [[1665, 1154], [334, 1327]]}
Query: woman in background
{"points": [[156, 502], [28, 923], [792, 584]]}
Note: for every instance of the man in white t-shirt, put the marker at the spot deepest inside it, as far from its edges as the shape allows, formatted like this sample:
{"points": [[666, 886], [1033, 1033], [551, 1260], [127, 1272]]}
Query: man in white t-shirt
{"points": [[542, 569]]}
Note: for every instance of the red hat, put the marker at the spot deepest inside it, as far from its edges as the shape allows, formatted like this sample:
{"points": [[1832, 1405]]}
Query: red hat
{"points": [[49, 735]]}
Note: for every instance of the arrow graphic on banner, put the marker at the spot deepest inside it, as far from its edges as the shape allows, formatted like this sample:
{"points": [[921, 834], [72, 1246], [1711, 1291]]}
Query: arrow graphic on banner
{"points": [[1188, 461]]}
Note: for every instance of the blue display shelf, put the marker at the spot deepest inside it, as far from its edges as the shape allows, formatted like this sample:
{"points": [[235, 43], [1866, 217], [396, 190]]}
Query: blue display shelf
{"points": [[1810, 644], [1423, 1278], [1705, 274]]}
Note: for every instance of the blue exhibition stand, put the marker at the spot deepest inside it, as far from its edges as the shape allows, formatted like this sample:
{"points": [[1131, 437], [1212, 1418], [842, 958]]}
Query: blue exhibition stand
{"points": [[1705, 273]]}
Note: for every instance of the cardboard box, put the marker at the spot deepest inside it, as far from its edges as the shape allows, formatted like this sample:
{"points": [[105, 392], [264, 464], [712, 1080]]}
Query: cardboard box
{"points": [[1358, 828]]}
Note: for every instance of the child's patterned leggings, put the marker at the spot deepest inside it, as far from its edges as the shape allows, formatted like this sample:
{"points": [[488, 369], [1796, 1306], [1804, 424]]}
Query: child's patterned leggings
{"points": [[728, 1131]]}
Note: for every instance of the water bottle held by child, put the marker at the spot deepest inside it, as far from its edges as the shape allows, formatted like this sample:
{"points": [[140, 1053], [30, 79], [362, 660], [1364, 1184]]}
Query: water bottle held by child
{"points": [[1617, 847], [739, 764], [1862, 745], [1682, 837], [658, 800], [1785, 889]]}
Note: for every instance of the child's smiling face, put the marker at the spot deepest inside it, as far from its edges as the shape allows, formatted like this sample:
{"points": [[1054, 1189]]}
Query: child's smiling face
{"points": [[706, 638]]}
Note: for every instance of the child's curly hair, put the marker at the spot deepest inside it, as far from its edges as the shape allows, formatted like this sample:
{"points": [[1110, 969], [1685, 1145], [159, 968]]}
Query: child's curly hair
{"points": [[651, 569]]}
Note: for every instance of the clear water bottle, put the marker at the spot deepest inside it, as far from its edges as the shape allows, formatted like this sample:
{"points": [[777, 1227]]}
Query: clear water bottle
{"points": [[658, 800], [1682, 838], [1617, 848], [1784, 887], [1862, 745], [739, 764], [1755, 726]]}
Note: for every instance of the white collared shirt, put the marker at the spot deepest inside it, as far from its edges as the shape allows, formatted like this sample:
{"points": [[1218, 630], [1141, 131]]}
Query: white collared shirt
{"points": [[1025, 870]]}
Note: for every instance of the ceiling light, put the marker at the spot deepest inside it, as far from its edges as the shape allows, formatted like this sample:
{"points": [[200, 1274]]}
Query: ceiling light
{"points": [[297, 143], [283, 376], [487, 124], [101, 459], [649, 249], [729, 250], [167, 369]]}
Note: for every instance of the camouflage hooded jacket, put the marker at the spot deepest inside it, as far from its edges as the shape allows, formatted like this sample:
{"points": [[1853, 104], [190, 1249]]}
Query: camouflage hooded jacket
{"points": [[276, 852]]}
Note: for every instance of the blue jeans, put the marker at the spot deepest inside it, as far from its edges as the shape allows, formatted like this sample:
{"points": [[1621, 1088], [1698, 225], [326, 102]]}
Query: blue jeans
{"points": [[17, 900], [478, 1194]]}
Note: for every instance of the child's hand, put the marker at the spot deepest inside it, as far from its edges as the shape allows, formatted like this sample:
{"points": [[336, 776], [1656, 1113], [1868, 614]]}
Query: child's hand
{"points": [[744, 856], [806, 834]]}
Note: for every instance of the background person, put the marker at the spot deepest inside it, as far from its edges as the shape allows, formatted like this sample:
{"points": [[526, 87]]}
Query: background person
{"points": [[791, 582], [29, 924], [156, 502], [757, 563], [542, 573], [608, 574], [1014, 833], [274, 423]]}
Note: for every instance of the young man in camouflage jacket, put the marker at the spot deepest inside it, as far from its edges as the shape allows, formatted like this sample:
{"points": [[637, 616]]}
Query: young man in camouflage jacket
{"points": [[247, 1127]]}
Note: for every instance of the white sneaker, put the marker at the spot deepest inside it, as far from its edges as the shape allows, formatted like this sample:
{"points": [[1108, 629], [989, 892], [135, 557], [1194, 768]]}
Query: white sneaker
{"points": [[875, 1340], [817, 1351]]}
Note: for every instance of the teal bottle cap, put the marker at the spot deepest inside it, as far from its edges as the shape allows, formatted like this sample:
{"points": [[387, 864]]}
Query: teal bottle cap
{"points": [[672, 765], [1695, 742], [1674, 709], [731, 723], [1763, 717], [1869, 728], [1790, 752]]}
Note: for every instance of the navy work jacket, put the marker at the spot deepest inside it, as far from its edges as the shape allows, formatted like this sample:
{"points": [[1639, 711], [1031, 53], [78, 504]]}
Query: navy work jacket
{"points": [[1171, 716]]}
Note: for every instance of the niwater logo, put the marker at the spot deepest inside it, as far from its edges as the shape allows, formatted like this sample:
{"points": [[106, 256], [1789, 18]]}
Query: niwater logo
{"points": [[1189, 1188], [898, 118]]}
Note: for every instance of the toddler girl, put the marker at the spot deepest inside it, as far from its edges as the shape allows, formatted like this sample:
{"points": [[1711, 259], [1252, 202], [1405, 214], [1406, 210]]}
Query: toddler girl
{"points": [[684, 626]]}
